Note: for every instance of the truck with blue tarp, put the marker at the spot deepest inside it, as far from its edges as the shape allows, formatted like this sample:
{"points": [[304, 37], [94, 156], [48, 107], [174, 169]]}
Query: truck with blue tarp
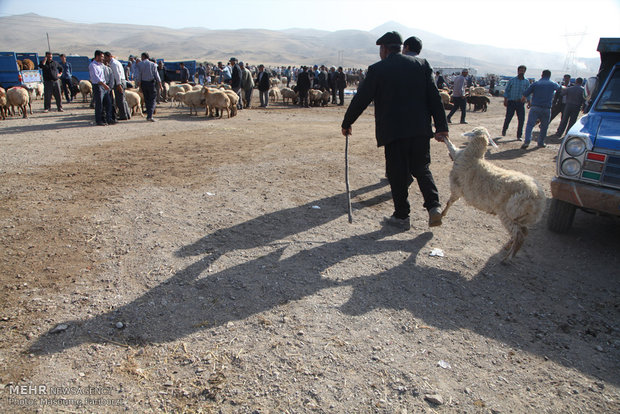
{"points": [[173, 70], [11, 75], [79, 66], [588, 162]]}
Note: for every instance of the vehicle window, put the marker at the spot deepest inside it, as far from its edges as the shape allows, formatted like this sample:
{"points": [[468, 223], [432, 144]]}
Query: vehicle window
{"points": [[610, 97]]}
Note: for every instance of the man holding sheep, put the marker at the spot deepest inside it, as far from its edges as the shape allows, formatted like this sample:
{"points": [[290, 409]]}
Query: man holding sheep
{"points": [[406, 98]]}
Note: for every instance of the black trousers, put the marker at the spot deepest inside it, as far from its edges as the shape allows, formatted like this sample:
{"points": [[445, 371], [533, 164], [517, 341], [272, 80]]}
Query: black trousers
{"points": [[150, 95], [66, 89], [459, 103], [406, 158], [51, 88]]}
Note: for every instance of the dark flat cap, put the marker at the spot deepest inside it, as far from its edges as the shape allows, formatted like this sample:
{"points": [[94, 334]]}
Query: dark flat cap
{"points": [[390, 38], [232, 59]]}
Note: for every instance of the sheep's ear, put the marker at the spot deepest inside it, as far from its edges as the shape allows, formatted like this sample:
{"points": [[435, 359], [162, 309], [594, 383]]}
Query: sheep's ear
{"points": [[492, 142]]}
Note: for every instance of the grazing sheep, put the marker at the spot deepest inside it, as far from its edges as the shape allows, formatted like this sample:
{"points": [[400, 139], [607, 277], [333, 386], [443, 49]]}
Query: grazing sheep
{"points": [[234, 100], [86, 88], [3, 104], [314, 97], [215, 99], [134, 102], [19, 97], [479, 102], [27, 64], [288, 93], [477, 91], [274, 93], [516, 198], [193, 100]]}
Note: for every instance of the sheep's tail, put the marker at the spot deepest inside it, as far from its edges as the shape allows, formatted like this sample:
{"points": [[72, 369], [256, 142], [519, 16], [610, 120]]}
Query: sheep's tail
{"points": [[451, 148]]}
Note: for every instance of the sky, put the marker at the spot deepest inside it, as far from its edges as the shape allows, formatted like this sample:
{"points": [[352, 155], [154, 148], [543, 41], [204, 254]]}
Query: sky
{"points": [[555, 26]]}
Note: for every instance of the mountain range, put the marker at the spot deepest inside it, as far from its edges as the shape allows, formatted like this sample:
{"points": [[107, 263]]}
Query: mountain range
{"points": [[295, 46]]}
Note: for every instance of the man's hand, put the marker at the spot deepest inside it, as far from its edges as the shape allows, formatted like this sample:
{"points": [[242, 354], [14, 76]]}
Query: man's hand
{"points": [[439, 136], [347, 131]]}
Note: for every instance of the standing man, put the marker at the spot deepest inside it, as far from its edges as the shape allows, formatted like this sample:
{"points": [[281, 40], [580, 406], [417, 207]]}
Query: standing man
{"points": [[263, 86], [201, 74], [51, 72], [235, 81], [147, 79], [513, 103], [161, 70], [100, 88], [184, 73], [117, 89], [331, 81], [575, 98], [247, 84], [340, 80], [303, 86], [458, 96], [559, 100], [65, 77], [406, 99], [540, 107]]}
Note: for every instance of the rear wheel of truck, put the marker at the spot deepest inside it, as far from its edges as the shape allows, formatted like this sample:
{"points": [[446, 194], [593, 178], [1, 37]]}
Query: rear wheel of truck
{"points": [[561, 215]]}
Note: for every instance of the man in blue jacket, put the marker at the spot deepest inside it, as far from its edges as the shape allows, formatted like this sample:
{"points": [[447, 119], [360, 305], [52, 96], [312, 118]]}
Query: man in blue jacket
{"points": [[406, 99], [542, 92]]}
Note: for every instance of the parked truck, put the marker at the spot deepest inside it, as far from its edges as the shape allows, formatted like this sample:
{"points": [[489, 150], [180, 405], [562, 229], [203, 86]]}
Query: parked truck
{"points": [[11, 75], [588, 162]]}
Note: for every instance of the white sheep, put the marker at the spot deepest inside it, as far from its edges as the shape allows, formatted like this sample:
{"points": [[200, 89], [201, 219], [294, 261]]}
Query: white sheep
{"points": [[173, 91], [193, 100], [38, 89], [516, 198], [18, 97], [134, 102], [215, 99], [314, 97], [86, 88], [478, 90], [288, 93], [274, 93]]}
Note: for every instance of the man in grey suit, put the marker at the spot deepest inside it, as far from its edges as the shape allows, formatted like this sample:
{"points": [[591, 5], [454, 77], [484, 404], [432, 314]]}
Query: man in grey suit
{"points": [[406, 98]]}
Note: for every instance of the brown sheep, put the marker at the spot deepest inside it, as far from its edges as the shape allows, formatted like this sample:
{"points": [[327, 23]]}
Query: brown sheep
{"points": [[216, 100], [27, 64], [18, 96]]}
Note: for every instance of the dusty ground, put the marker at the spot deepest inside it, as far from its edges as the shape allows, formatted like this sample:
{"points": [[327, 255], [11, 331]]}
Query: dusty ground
{"points": [[223, 248]]}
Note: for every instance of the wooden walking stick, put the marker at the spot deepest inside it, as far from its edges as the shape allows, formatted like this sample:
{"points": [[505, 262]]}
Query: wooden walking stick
{"points": [[346, 177]]}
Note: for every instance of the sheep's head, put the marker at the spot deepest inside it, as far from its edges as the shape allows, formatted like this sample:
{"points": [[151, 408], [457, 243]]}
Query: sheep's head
{"points": [[479, 139]]}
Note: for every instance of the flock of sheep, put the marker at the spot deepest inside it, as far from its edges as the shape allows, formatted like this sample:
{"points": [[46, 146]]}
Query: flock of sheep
{"points": [[476, 96]]}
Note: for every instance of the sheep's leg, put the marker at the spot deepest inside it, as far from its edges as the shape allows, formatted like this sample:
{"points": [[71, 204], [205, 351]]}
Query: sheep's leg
{"points": [[453, 198]]}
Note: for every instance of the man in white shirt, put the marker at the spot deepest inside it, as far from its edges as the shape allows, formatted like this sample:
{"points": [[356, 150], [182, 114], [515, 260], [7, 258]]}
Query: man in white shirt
{"points": [[118, 86], [458, 96], [100, 88]]}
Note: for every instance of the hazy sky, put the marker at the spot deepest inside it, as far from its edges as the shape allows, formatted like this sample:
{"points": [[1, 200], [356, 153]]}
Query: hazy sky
{"points": [[541, 25]]}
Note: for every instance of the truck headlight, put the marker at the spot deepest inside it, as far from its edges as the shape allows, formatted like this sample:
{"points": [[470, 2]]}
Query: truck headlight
{"points": [[575, 147], [571, 166]]}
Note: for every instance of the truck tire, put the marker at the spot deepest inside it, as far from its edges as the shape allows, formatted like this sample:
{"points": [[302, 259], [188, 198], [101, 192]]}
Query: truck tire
{"points": [[561, 215]]}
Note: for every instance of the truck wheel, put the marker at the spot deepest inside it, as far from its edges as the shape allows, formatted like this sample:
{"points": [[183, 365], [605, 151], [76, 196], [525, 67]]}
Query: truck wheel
{"points": [[561, 215]]}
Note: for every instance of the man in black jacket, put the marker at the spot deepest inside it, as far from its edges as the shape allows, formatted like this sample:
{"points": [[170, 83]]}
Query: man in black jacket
{"points": [[51, 72], [303, 86], [262, 80], [406, 98], [235, 81]]}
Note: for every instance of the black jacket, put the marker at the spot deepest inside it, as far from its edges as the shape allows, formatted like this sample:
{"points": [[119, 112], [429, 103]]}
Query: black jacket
{"points": [[405, 97], [303, 80], [51, 70], [263, 82], [235, 80]]}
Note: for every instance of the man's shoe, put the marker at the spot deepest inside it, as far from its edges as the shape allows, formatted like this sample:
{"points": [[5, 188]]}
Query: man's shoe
{"points": [[503, 132], [524, 146], [449, 121], [101, 124], [541, 146], [401, 224], [46, 110], [151, 119], [463, 122], [61, 110], [434, 217]]}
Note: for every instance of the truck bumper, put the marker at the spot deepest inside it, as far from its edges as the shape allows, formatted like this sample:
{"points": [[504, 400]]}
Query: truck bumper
{"points": [[604, 200]]}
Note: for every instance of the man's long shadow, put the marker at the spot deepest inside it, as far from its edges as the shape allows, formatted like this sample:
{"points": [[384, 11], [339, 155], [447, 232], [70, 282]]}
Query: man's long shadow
{"points": [[195, 298]]}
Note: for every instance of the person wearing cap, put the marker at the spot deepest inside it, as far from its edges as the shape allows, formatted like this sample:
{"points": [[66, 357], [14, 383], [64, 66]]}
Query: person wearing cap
{"points": [[235, 81], [458, 96], [406, 99], [412, 46]]}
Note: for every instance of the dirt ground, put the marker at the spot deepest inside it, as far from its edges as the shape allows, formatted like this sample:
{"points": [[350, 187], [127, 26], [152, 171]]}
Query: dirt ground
{"points": [[207, 265]]}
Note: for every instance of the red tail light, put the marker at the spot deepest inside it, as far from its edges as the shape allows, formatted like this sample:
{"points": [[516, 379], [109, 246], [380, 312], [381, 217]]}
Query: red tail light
{"points": [[596, 157]]}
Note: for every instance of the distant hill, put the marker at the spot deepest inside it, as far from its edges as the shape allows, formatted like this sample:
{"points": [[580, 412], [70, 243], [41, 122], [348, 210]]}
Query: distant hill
{"points": [[295, 46]]}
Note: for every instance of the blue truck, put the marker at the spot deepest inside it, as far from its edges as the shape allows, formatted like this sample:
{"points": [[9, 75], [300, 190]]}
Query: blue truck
{"points": [[173, 73], [10, 75], [79, 66], [588, 162]]}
